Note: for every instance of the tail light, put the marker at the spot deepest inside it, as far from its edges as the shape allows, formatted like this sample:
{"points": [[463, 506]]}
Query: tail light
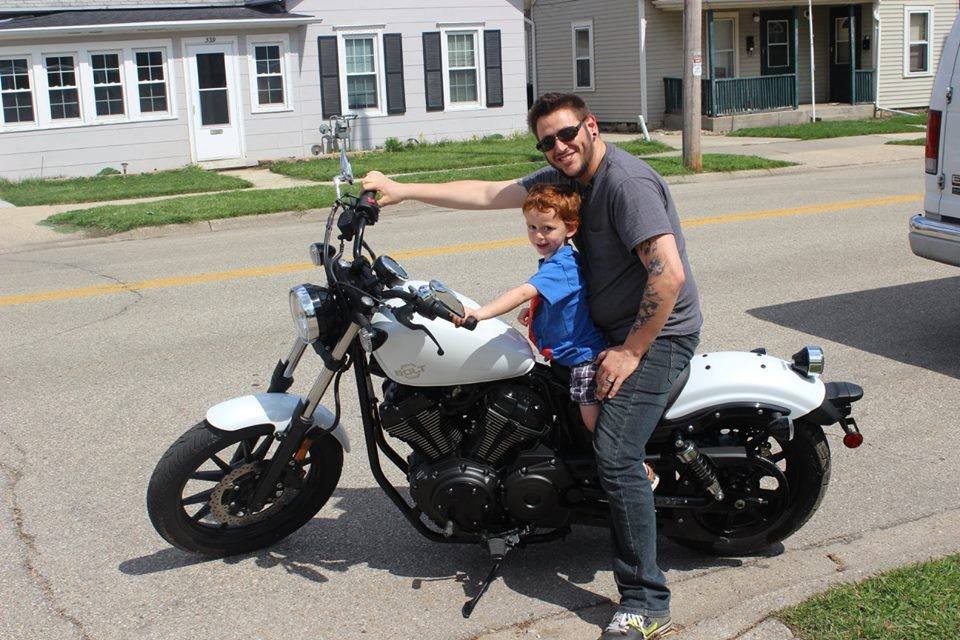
{"points": [[933, 141]]}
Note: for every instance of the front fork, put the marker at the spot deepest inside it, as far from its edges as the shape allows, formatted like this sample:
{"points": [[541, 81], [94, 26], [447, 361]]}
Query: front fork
{"points": [[292, 438]]}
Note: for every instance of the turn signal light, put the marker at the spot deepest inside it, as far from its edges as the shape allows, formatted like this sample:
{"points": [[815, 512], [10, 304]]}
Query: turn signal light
{"points": [[853, 440]]}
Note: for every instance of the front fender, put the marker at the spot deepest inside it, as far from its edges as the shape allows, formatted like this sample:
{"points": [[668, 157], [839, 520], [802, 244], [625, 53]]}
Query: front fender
{"points": [[269, 408]]}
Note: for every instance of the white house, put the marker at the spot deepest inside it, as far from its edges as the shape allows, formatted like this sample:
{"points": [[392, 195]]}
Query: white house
{"points": [[159, 85], [625, 57]]}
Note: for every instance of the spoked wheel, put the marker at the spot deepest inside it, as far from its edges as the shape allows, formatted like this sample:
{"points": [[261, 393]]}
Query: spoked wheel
{"points": [[767, 498], [199, 494]]}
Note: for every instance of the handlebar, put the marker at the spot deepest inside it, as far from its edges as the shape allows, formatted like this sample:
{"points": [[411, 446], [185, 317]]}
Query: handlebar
{"points": [[430, 307]]}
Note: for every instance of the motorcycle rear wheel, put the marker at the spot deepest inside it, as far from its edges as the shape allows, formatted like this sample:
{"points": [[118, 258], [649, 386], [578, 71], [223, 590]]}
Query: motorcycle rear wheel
{"points": [[805, 462], [194, 490]]}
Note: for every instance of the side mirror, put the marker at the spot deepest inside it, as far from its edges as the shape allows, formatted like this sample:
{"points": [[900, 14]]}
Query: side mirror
{"points": [[446, 297]]}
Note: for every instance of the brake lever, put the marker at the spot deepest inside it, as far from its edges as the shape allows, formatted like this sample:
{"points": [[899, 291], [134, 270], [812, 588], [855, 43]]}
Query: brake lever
{"points": [[403, 316]]}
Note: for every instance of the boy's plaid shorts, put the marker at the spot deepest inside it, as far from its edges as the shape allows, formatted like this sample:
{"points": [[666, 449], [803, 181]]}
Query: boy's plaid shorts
{"points": [[583, 383]]}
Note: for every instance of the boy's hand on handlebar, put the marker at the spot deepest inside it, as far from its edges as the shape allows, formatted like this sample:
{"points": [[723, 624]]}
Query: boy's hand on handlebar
{"points": [[389, 189], [467, 313], [524, 317]]}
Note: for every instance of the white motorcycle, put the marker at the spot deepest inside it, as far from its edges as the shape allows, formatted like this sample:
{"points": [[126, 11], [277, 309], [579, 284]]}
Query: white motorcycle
{"points": [[498, 454]]}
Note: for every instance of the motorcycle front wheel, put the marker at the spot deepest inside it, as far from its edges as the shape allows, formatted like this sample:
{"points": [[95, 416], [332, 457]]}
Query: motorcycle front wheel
{"points": [[778, 493], [197, 493]]}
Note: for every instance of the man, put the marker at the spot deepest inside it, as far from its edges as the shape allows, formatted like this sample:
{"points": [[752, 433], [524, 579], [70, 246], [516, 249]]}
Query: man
{"points": [[641, 294]]}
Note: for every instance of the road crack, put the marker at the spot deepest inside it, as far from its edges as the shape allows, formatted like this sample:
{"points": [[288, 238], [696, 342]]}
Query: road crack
{"points": [[127, 287], [29, 553]]}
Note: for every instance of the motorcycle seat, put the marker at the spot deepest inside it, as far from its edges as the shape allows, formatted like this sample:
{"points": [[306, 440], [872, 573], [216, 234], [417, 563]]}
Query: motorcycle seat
{"points": [[562, 374]]}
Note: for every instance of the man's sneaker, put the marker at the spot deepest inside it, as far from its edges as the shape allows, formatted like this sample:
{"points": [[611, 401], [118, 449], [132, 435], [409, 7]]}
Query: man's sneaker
{"points": [[633, 626]]}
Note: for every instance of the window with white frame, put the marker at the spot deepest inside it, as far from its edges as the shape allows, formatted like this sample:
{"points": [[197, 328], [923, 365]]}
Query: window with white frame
{"points": [[151, 81], [778, 44], [16, 94], [362, 72], [919, 24], [63, 90], [268, 73], [462, 67], [725, 46], [107, 84], [582, 55]]}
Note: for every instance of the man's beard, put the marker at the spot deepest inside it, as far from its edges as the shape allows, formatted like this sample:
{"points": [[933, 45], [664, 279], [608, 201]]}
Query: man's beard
{"points": [[586, 153]]}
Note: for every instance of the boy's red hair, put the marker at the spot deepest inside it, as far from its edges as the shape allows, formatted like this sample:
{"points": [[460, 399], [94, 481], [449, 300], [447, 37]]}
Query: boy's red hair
{"points": [[562, 199]]}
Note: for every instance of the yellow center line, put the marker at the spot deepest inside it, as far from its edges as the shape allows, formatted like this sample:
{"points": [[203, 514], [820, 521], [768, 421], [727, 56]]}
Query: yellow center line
{"points": [[256, 272]]}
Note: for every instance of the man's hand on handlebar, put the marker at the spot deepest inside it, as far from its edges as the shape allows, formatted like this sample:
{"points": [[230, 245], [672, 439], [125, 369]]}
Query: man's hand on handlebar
{"points": [[389, 189]]}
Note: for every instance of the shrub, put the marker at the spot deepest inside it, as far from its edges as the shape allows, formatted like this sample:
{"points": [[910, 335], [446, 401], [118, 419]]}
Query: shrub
{"points": [[392, 145], [108, 171]]}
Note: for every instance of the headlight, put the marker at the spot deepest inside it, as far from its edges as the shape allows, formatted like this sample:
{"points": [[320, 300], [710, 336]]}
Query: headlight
{"points": [[808, 361], [303, 309]]}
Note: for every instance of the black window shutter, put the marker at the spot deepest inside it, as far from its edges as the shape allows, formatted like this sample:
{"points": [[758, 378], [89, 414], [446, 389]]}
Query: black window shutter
{"points": [[494, 67], [329, 76], [393, 62], [433, 70]]}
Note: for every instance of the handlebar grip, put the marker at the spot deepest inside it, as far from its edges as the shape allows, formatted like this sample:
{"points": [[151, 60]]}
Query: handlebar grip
{"points": [[470, 323]]}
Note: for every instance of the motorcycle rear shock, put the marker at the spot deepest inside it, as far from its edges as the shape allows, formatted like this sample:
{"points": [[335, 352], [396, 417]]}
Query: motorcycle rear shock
{"points": [[688, 454]]}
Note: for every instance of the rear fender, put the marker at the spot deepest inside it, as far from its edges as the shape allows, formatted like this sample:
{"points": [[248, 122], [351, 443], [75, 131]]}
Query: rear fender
{"points": [[269, 408], [734, 378]]}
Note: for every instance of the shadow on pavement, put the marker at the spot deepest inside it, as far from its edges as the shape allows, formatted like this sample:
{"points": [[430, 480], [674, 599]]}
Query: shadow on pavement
{"points": [[917, 323], [369, 530]]}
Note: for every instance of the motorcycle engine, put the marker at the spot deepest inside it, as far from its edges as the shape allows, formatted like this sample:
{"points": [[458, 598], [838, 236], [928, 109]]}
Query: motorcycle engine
{"points": [[465, 467]]}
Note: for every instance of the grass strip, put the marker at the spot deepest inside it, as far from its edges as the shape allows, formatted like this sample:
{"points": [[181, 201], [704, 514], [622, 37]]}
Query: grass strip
{"points": [[98, 188], [438, 156], [118, 218], [912, 142], [836, 128], [919, 602]]}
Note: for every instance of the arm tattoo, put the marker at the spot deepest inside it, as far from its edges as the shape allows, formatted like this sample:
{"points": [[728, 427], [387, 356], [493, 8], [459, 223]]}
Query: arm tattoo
{"points": [[649, 306], [652, 260]]}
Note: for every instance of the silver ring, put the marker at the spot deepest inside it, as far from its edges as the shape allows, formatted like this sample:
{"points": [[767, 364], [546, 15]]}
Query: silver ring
{"points": [[609, 380]]}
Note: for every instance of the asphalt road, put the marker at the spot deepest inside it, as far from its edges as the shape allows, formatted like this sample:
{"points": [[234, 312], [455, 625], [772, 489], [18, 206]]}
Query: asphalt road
{"points": [[96, 383]]}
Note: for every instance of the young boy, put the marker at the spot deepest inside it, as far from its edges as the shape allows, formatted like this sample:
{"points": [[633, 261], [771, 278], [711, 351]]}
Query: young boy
{"points": [[558, 317]]}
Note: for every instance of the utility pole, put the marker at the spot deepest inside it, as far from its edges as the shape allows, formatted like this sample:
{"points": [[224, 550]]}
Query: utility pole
{"points": [[692, 73]]}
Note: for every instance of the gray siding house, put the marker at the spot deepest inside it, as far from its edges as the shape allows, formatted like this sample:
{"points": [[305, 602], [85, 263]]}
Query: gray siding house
{"points": [[625, 57], [154, 85]]}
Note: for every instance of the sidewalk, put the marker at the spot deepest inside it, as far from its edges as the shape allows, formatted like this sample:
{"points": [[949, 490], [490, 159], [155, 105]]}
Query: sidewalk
{"points": [[21, 229]]}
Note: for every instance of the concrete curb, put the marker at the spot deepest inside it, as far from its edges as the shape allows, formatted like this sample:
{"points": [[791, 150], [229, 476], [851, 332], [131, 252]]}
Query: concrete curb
{"points": [[735, 603]]}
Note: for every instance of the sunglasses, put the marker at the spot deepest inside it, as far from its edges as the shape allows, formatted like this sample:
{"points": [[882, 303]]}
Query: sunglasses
{"points": [[547, 143]]}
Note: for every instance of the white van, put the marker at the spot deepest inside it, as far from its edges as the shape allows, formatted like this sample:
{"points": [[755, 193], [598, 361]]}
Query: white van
{"points": [[936, 233]]}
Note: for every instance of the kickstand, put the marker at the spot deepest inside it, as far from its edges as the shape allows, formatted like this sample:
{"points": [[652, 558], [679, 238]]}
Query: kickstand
{"points": [[498, 548]]}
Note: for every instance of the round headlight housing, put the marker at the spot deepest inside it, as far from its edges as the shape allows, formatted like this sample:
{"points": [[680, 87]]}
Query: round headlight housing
{"points": [[304, 312]]}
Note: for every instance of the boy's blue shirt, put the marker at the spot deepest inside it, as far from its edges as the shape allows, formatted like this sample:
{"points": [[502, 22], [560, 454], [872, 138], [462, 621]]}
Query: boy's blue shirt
{"points": [[561, 322]]}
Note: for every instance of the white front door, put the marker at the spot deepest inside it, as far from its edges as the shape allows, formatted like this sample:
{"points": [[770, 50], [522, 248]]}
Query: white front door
{"points": [[214, 100]]}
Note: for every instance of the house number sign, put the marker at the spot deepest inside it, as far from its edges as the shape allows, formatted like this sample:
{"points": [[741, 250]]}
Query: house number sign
{"points": [[210, 39]]}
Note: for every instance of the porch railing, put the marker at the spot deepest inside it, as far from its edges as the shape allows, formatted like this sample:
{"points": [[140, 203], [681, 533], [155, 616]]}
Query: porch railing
{"points": [[725, 96], [863, 86]]}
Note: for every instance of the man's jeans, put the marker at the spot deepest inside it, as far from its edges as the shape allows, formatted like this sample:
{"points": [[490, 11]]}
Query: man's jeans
{"points": [[626, 423]]}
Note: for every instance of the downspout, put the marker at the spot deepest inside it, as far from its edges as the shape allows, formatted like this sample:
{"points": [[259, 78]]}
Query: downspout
{"points": [[533, 52], [813, 83], [876, 55], [642, 31]]}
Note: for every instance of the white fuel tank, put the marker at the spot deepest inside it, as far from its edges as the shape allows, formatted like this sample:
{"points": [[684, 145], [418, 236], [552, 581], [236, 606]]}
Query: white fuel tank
{"points": [[492, 351]]}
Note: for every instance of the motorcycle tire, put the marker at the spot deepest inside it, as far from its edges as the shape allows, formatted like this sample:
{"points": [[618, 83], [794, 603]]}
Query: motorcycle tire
{"points": [[204, 534], [807, 459]]}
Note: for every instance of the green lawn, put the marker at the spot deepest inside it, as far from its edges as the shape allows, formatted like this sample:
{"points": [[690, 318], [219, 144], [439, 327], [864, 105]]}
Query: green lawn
{"points": [[921, 602], [489, 152], [837, 128], [117, 218], [665, 165], [97, 189], [912, 142]]}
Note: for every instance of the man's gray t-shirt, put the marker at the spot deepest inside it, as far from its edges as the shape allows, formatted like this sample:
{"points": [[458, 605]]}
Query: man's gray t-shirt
{"points": [[626, 203]]}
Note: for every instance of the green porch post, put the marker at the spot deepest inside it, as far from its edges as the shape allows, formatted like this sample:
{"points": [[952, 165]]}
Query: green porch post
{"points": [[853, 50], [796, 69], [713, 82]]}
